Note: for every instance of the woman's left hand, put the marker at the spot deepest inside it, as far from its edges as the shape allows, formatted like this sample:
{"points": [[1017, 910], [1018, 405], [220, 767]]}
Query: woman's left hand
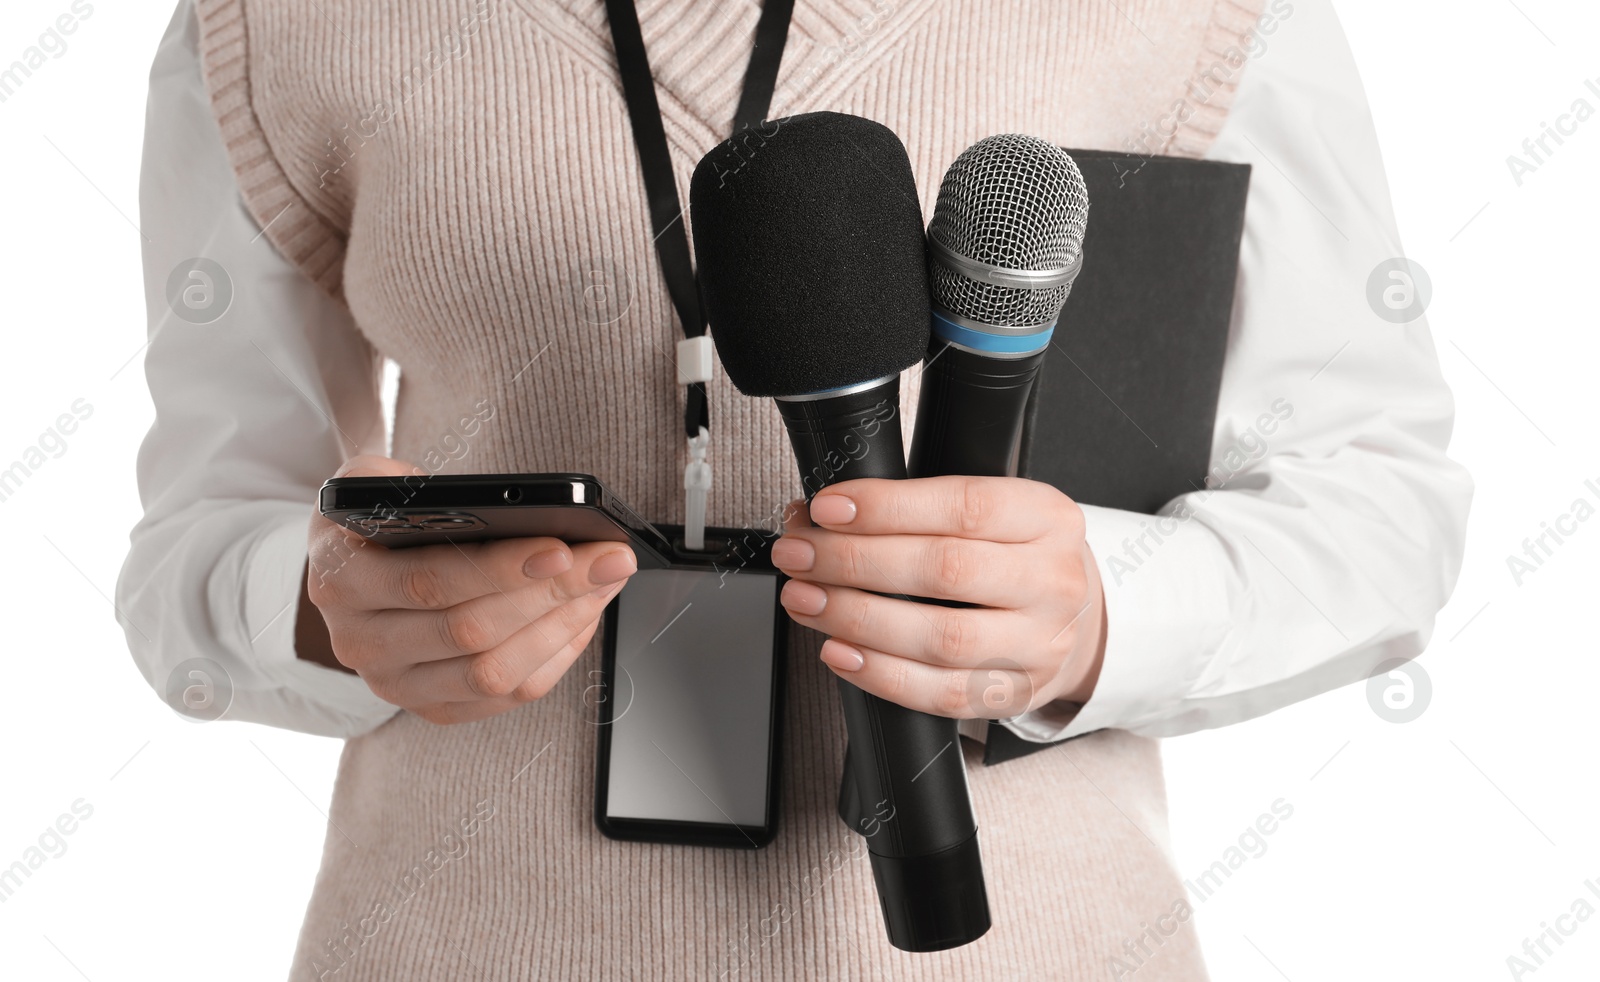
{"points": [[1014, 547]]}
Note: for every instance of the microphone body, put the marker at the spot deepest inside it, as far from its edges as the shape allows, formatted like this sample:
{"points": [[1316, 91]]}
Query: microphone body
{"points": [[970, 415], [970, 412], [1005, 244], [905, 782], [813, 266]]}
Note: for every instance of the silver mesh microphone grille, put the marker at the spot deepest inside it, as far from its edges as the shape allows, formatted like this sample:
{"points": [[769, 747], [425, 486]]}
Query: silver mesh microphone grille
{"points": [[1015, 202]]}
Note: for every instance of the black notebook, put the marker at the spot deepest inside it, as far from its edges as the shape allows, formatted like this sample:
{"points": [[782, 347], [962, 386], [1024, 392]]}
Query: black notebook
{"points": [[1123, 413]]}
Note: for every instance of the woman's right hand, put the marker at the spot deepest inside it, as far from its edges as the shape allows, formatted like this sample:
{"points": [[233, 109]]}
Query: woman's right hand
{"points": [[458, 633]]}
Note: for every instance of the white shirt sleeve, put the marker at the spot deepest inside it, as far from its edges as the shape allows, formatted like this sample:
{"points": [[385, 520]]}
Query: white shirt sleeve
{"points": [[262, 387], [1332, 527]]}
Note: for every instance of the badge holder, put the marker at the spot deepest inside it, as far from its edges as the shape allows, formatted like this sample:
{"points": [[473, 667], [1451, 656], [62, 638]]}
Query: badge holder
{"points": [[690, 717]]}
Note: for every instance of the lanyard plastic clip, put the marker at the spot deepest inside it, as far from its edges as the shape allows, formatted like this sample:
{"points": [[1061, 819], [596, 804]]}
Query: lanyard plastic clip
{"points": [[696, 486]]}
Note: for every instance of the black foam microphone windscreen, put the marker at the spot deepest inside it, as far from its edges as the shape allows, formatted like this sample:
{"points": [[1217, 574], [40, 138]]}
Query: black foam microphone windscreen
{"points": [[841, 295]]}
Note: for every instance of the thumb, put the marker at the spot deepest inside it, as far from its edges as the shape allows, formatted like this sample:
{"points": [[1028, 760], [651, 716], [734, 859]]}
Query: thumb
{"points": [[373, 465], [363, 465]]}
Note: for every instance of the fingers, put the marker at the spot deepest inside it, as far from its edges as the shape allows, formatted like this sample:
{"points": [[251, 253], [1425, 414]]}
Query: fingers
{"points": [[406, 636], [456, 632], [991, 693], [998, 509], [544, 678], [1012, 548], [502, 671], [535, 687], [441, 576], [372, 465], [942, 566], [437, 576], [951, 637], [467, 628]]}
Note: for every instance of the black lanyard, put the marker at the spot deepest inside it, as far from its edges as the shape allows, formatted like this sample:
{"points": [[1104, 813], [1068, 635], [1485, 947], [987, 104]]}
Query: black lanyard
{"points": [[672, 243]]}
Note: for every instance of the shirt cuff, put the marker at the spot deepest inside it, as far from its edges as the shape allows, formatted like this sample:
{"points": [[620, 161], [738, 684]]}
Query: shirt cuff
{"points": [[1165, 581], [273, 573]]}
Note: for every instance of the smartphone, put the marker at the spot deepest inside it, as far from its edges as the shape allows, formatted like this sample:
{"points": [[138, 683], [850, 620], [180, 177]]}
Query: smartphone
{"points": [[691, 698], [415, 510], [689, 703]]}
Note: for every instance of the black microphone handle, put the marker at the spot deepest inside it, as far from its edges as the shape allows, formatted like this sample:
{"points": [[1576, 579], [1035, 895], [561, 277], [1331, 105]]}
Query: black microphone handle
{"points": [[905, 786], [969, 416], [970, 421], [970, 412]]}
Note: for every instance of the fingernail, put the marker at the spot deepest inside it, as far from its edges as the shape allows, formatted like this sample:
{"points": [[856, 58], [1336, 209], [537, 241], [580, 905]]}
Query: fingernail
{"points": [[542, 565], [613, 566], [832, 509], [792, 553], [804, 598], [842, 656]]}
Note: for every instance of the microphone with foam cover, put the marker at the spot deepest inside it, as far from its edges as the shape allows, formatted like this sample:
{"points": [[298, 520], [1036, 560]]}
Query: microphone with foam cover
{"points": [[808, 236], [1004, 246]]}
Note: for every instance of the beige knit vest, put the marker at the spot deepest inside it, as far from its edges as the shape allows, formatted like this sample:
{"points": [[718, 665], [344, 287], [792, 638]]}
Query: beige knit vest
{"points": [[461, 173]]}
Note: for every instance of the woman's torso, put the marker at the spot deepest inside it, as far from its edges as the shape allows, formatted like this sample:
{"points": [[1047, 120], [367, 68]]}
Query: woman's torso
{"points": [[466, 176]]}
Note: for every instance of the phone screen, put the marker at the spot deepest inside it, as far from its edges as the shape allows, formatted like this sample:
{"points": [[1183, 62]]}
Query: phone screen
{"points": [[693, 691]]}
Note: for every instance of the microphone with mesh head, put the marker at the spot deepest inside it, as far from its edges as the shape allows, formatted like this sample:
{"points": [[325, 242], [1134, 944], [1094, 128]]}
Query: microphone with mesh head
{"points": [[1004, 246], [808, 234]]}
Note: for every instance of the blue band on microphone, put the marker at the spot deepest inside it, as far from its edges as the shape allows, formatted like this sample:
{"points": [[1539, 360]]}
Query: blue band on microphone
{"points": [[946, 329]]}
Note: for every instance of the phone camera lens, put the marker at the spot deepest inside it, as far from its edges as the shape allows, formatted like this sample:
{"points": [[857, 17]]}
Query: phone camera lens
{"points": [[447, 521], [512, 495], [380, 523]]}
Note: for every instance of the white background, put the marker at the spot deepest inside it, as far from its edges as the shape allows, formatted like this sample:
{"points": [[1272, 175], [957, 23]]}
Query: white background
{"points": [[1427, 850]]}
